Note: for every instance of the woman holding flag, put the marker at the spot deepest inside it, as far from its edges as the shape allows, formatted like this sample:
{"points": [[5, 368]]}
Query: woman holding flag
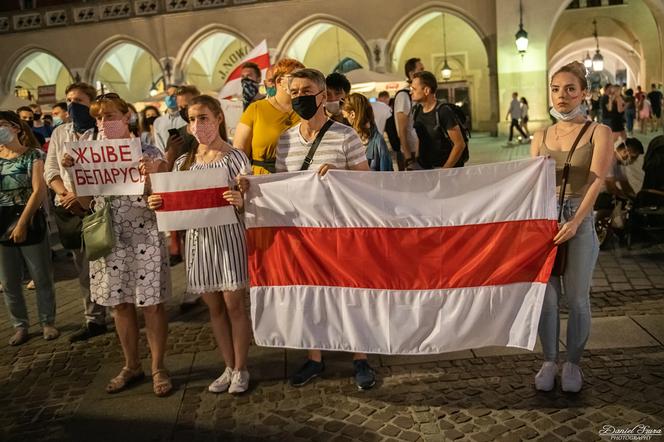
{"points": [[586, 147], [216, 257], [263, 122]]}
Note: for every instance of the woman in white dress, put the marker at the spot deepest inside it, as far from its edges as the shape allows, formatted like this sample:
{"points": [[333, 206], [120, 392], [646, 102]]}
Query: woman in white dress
{"points": [[136, 272], [216, 257]]}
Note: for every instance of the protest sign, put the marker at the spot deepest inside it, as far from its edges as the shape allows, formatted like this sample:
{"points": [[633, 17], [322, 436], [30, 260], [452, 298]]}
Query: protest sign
{"points": [[192, 199], [106, 167]]}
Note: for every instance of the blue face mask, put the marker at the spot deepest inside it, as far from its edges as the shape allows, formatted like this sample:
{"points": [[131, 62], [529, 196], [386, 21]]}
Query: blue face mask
{"points": [[271, 91], [6, 135], [170, 102]]}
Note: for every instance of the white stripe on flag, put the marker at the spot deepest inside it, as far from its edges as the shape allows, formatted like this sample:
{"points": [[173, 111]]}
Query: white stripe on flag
{"points": [[396, 322]]}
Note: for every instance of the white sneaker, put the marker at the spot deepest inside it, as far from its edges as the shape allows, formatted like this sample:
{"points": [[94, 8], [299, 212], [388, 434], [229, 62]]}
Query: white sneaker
{"points": [[545, 379], [239, 382], [572, 378], [222, 383]]}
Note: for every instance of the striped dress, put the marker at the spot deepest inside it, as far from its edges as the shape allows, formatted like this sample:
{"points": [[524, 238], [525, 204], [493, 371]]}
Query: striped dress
{"points": [[216, 257]]}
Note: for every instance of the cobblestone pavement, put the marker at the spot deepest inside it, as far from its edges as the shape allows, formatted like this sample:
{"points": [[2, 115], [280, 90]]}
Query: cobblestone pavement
{"points": [[54, 390]]}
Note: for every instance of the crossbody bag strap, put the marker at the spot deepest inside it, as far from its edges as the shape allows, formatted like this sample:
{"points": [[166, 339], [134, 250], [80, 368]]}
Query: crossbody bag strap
{"points": [[567, 167], [312, 150]]}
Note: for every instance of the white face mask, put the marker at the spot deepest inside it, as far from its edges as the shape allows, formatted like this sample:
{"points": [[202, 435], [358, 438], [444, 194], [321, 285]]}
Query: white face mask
{"points": [[6, 135], [333, 107], [569, 116]]}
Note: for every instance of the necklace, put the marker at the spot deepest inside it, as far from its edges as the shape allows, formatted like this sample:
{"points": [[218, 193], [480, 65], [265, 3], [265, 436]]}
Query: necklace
{"points": [[558, 136]]}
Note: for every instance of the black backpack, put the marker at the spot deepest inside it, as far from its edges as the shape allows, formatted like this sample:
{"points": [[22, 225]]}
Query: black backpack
{"points": [[391, 126], [461, 121]]}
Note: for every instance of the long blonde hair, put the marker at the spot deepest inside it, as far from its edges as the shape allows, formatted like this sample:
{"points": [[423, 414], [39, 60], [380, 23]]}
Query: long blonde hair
{"points": [[364, 116]]}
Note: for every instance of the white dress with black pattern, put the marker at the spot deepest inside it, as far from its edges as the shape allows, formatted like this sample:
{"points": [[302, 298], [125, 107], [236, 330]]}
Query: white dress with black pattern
{"points": [[137, 269], [216, 257]]}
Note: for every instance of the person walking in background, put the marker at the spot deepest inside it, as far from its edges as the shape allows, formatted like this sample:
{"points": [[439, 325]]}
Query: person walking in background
{"points": [[222, 281], [24, 237], [524, 116], [359, 113], [263, 122], [645, 115], [514, 115], [615, 115], [655, 97], [630, 111]]}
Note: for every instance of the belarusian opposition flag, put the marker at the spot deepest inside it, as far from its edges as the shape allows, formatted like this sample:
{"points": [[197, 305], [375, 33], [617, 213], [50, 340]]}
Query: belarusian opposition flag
{"points": [[192, 199], [233, 86], [401, 263]]}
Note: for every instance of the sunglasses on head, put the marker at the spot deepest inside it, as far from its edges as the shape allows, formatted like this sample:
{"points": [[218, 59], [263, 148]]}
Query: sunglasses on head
{"points": [[106, 96]]}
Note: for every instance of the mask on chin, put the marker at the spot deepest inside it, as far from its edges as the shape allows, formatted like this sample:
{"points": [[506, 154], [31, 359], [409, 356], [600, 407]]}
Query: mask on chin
{"points": [[569, 116]]}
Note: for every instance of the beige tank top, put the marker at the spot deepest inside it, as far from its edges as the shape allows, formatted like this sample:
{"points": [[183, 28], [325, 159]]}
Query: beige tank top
{"points": [[577, 183]]}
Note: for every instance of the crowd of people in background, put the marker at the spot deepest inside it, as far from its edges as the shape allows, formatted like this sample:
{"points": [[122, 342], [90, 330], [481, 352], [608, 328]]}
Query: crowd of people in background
{"points": [[621, 109], [275, 134]]}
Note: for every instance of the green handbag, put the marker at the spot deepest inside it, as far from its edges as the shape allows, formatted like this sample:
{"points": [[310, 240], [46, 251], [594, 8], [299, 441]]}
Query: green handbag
{"points": [[97, 232]]}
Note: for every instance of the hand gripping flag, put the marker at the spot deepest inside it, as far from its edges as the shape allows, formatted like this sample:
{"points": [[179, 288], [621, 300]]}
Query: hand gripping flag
{"points": [[192, 199], [401, 263], [233, 86]]}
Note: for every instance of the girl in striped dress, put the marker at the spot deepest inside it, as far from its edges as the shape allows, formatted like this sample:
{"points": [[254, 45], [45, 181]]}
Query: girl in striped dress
{"points": [[216, 257]]}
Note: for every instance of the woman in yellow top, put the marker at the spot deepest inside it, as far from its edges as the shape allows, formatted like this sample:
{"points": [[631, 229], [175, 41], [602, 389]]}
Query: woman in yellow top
{"points": [[263, 122]]}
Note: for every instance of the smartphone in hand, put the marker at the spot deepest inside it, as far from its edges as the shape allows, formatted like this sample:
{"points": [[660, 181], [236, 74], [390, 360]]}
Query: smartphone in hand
{"points": [[173, 133]]}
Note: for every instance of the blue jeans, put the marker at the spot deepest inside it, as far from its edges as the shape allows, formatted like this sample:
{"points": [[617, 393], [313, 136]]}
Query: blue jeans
{"points": [[582, 252], [629, 118], [38, 260]]}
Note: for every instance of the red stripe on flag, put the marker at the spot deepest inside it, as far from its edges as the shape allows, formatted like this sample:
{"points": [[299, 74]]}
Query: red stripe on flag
{"points": [[193, 199], [263, 62], [403, 258]]}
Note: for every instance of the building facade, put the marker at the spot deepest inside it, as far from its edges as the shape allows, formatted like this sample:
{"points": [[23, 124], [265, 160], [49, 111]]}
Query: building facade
{"points": [[134, 47]]}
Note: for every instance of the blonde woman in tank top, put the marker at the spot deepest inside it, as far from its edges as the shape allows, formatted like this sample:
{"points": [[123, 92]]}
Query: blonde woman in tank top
{"points": [[590, 163]]}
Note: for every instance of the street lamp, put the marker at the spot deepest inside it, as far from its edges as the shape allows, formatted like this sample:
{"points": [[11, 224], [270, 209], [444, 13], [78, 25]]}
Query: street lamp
{"points": [[446, 72], [598, 60], [588, 62], [521, 35]]}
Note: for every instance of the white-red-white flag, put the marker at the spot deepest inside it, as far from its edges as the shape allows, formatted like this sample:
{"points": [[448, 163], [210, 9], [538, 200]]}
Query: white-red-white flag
{"points": [[233, 86], [401, 263], [192, 199]]}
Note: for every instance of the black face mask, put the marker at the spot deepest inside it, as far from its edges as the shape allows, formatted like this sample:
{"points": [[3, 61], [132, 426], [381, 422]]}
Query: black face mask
{"points": [[184, 114], [249, 91], [37, 116], [149, 121], [30, 123], [305, 106], [80, 116]]}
